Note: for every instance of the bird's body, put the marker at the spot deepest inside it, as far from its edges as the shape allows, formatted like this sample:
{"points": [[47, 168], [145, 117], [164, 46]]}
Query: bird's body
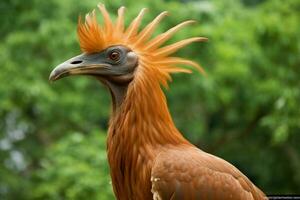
{"points": [[148, 157]]}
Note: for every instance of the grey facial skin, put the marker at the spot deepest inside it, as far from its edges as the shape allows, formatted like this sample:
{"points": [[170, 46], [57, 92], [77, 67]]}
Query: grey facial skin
{"points": [[113, 66], [98, 64]]}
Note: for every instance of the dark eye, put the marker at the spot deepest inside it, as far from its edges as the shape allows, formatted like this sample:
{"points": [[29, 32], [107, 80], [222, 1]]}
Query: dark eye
{"points": [[114, 55]]}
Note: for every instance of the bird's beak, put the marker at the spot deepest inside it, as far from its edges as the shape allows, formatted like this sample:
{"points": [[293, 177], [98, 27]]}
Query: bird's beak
{"points": [[84, 64]]}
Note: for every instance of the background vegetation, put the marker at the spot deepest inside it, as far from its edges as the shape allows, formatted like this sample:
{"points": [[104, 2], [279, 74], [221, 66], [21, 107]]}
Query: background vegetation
{"points": [[52, 136]]}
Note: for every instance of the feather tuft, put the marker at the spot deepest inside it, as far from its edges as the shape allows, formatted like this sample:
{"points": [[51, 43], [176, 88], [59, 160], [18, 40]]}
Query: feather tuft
{"points": [[94, 37]]}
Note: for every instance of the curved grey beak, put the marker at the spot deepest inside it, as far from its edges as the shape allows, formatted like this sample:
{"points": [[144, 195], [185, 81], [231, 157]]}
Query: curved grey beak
{"points": [[87, 64]]}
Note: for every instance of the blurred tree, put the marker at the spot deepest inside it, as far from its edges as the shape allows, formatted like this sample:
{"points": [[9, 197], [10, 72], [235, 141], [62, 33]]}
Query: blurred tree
{"points": [[246, 110], [79, 160]]}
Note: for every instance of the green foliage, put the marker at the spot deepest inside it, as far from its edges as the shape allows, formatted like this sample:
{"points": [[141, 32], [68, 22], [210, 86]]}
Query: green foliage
{"points": [[245, 110], [69, 182]]}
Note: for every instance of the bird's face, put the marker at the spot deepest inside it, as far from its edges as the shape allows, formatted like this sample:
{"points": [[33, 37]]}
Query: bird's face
{"points": [[114, 64]]}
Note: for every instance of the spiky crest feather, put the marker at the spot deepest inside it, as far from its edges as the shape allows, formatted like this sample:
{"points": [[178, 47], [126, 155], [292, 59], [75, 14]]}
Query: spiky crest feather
{"points": [[93, 38]]}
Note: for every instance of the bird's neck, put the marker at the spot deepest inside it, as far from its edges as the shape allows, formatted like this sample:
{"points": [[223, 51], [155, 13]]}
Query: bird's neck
{"points": [[141, 115], [139, 127]]}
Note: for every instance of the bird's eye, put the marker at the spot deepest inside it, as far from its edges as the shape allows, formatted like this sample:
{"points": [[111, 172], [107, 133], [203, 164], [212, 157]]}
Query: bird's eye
{"points": [[114, 56]]}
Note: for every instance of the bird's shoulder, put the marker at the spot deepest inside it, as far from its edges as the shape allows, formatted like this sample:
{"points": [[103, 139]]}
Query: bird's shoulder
{"points": [[186, 172]]}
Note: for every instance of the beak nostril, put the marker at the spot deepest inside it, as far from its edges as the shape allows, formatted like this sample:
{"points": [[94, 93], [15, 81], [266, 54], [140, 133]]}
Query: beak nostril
{"points": [[76, 62]]}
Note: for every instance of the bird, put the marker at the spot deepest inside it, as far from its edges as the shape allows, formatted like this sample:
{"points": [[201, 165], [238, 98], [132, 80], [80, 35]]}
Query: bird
{"points": [[148, 156]]}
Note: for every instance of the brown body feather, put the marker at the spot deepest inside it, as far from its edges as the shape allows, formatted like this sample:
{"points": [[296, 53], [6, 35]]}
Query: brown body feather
{"points": [[149, 158]]}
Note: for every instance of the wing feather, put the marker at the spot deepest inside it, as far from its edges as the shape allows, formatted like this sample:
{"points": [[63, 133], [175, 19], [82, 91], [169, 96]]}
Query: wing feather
{"points": [[189, 173]]}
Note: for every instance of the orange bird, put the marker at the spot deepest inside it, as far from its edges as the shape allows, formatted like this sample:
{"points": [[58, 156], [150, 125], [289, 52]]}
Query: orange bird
{"points": [[148, 157]]}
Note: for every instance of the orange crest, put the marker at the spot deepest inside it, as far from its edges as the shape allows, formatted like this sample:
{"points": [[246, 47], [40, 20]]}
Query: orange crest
{"points": [[94, 37]]}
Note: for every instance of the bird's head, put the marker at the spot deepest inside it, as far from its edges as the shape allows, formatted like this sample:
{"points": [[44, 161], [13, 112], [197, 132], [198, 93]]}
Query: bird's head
{"points": [[115, 63], [119, 56]]}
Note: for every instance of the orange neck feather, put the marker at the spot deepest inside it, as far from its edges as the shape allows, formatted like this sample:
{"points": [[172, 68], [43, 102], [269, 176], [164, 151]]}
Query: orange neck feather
{"points": [[137, 129]]}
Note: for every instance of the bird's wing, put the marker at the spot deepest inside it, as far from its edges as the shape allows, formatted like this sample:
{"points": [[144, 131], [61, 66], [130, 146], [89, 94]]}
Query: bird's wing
{"points": [[189, 173]]}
